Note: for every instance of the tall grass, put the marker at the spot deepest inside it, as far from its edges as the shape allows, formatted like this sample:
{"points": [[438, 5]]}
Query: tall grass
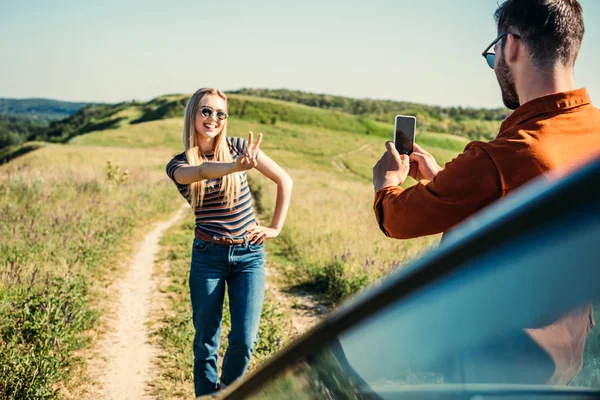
{"points": [[68, 222], [150, 135]]}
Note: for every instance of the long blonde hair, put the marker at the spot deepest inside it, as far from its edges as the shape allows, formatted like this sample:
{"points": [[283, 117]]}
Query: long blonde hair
{"points": [[230, 184]]}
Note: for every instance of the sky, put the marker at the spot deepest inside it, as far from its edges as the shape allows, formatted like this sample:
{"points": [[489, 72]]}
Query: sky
{"points": [[426, 51]]}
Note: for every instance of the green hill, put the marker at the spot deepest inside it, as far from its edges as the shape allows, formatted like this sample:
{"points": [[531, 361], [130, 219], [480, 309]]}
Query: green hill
{"points": [[475, 123], [57, 121], [300, 132], [241, 107], [291, 125]]}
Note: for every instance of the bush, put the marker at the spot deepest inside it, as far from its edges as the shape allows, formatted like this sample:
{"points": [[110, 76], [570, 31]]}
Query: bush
{"points": [[115, 175], [10, 139], [336, 281], [39, 325]]}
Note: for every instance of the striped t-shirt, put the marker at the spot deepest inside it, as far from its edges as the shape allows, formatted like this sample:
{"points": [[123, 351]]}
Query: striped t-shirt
{"points": [[214, 217]]}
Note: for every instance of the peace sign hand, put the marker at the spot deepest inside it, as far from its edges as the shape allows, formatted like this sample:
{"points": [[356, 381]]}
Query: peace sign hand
{"points": [[249, 159]]}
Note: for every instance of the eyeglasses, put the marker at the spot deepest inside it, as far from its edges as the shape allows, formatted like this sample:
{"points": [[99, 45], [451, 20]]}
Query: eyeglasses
{"points": [[489, 56], [208, 112]]}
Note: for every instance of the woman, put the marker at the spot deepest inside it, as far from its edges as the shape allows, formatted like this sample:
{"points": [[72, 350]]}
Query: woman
{"points": [[228, 244]]}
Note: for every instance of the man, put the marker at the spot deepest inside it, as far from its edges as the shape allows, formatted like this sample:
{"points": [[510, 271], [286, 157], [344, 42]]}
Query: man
{"points": [[554, 127]]}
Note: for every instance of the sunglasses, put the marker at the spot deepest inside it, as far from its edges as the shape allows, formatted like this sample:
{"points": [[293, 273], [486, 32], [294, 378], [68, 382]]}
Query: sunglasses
{"points": [[490, 56], [208, 112]]}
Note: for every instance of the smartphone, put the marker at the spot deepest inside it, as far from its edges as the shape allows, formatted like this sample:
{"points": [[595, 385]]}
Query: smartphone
{"points": [[404, 133]]}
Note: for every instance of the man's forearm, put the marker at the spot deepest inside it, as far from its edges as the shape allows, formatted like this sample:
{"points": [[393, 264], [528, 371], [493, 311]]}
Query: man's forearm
{"points": [[398, 219], [466, 185]]}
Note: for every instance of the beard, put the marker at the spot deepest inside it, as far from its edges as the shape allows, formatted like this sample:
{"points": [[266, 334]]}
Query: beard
{"points": [[507, 84]]}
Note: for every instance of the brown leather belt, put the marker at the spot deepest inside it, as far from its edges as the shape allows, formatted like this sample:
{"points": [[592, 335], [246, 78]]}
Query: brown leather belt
{"points": [[218, 239]]}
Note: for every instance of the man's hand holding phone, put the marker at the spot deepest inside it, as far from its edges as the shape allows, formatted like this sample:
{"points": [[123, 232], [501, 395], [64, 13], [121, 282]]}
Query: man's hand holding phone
{"points": [[391, 169], [422, 164], [404, 157]]}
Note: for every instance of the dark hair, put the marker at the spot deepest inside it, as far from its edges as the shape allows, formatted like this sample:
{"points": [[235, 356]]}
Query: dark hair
{"points": [[551, 30]]}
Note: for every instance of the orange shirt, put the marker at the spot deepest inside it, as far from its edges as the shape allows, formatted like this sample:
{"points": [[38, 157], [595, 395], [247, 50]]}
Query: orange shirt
{"points": [[553, 132], [550, 133]]}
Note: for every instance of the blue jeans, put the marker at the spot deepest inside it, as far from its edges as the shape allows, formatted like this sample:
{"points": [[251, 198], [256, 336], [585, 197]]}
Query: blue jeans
{"points": [[242, 267]]}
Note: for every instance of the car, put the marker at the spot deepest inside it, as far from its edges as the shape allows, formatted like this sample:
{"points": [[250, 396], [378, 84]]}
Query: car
{"points": [[438, 328]]}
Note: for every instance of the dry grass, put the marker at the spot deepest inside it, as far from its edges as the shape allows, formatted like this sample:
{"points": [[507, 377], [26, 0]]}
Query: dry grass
{"points": [[63, 217]]}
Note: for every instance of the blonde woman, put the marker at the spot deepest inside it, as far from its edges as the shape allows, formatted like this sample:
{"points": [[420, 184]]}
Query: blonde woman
{"points": [[228, 244]]}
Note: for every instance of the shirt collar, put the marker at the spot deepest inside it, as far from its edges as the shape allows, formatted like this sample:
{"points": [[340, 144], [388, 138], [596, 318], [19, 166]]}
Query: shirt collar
{"points": [[546, 104]]}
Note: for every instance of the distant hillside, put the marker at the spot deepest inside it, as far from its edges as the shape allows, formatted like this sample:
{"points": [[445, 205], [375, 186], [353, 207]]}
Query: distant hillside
{"points": [[265, 111], [375, 109], [335, 113], [271, 111], [15, 130], [41, 110], [24, 120], [474, 123]]}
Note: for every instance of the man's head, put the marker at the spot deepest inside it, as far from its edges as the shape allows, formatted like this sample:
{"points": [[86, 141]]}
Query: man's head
{"points": [[543, 34]]}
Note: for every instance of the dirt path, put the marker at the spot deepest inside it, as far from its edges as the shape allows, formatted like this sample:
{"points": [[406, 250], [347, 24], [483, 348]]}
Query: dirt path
{"points": [[303, 310], [124, 363], [126, 348], [339, 165]]}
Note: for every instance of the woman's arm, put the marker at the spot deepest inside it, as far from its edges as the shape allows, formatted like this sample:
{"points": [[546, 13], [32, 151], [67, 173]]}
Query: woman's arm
{"points": [[274, 172], [206, 170], [218, 169], [215, 169]]}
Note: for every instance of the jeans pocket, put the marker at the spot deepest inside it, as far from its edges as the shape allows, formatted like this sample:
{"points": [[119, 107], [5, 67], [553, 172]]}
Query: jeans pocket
{"points": [[200, 245], [256, 247]]}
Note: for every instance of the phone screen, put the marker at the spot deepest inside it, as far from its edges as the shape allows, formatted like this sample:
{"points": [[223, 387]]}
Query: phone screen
{"points": [[404, 136]]}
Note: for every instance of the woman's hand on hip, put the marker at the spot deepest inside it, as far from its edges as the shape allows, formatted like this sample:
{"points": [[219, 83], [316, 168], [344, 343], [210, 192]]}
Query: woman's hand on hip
{"points": [[249, 159], [258, 234]]}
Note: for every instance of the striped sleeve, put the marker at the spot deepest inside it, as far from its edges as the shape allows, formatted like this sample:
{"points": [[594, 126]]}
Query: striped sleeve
{"points": [[178, 161]]}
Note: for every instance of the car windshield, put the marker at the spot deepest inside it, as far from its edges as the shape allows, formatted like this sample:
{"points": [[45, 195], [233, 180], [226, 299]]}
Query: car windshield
{"points": [[495, 322]]}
